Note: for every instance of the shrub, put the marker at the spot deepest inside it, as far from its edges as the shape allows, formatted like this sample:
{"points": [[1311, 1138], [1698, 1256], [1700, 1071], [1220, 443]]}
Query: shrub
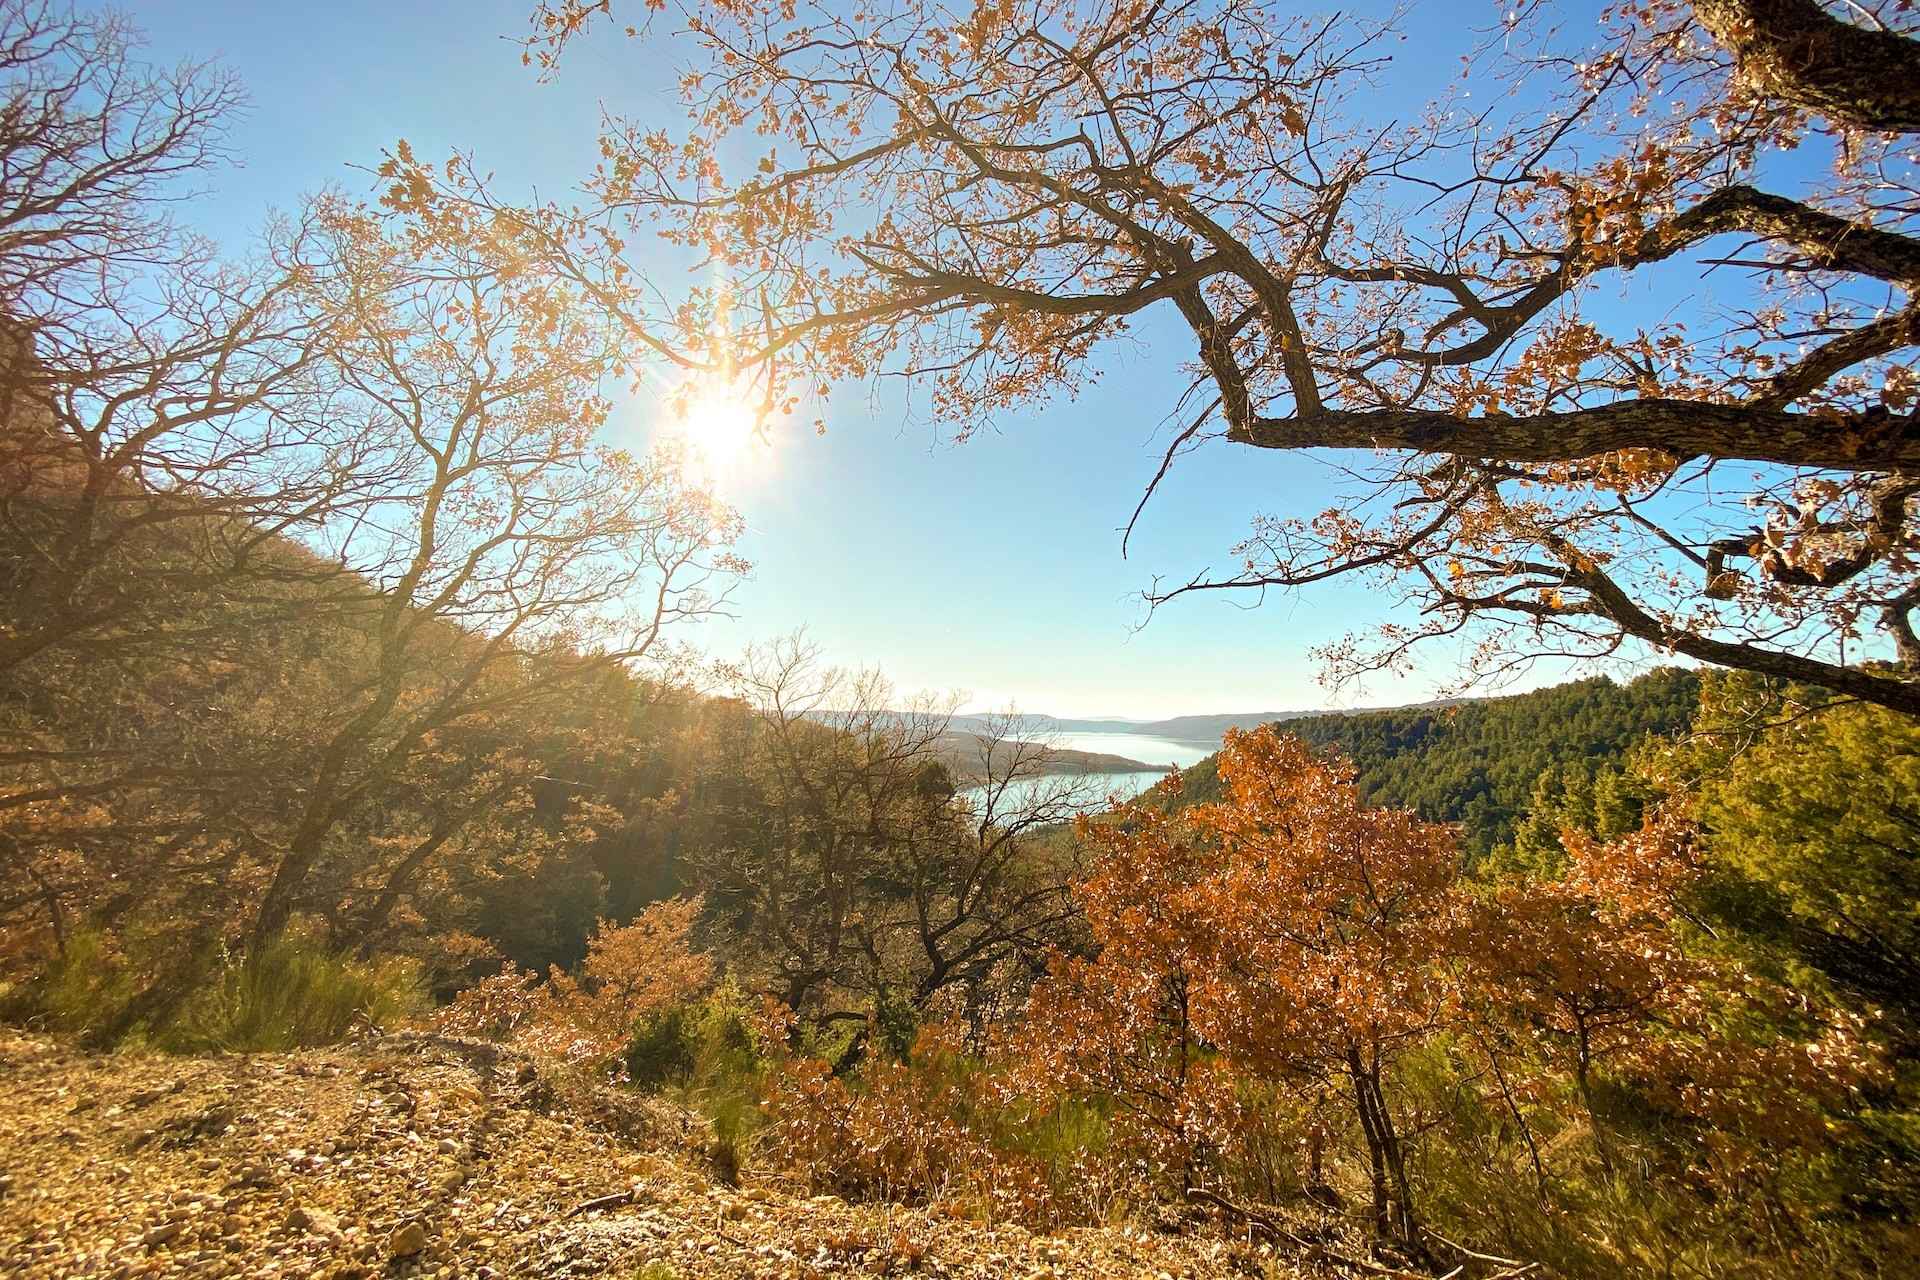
{"points": [[495, 1008], [294, 995], [662, 1051], [86, 986], [916, 1130], [633, 972], [896, 1024], [709, 1042], [709, 1052]]}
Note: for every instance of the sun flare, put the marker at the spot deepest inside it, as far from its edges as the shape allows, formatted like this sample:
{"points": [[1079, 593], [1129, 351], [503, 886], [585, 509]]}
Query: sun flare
{"points": [[722, 430]]}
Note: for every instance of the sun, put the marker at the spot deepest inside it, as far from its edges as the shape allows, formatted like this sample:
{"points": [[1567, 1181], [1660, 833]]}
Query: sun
{"points": [[722, 430]]}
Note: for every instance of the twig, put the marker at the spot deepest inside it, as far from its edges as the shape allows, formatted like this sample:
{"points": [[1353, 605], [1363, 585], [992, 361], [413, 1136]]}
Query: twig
{"points": [[594, 1205], [1269, 1225], [1494, 1258]]}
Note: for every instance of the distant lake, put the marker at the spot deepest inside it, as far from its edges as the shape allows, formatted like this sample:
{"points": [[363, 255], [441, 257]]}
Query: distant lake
{"points": [[1100, 787], [1136, 746]]}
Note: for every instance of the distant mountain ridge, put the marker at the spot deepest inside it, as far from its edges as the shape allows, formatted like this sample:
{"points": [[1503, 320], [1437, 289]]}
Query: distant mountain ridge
{"points": [[1207, 729]]}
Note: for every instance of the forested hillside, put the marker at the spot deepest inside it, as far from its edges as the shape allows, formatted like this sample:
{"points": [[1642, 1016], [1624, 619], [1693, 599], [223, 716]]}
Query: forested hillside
{"points": [[1475, 761]]}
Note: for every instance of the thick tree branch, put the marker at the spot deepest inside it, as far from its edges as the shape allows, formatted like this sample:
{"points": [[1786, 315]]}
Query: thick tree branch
{"points": [[1881, 337], [1824, 241], [1795, 51], [1865, 683], [1684, 428]]}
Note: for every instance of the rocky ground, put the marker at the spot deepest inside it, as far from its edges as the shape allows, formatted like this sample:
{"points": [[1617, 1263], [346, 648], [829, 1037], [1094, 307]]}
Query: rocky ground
{"points": [[415, 1156]]}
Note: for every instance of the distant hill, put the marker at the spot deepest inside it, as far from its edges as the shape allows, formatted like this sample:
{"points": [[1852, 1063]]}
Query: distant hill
{"points": [[1191, 728], [1198, 728], [1038, 724], [1474, 761], [962, 751], [1211, 728]]}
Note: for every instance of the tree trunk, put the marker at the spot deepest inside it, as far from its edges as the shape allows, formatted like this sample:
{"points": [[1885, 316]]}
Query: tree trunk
{"points": [[1583, 1080], [56, 912], [1392, 1190], [1376, 1154]]}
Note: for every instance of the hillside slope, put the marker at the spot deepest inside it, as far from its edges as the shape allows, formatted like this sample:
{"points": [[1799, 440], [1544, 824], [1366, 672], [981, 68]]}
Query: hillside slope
{"points": [[420, 1156], [1474, 761]]}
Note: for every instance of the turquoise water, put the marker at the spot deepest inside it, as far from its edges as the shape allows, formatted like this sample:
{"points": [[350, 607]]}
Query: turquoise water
{"points": [[1097, 791], [1149, 750]]}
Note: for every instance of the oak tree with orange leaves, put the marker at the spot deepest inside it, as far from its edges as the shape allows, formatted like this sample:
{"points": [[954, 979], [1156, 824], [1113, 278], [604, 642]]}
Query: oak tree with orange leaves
{"points": [[1288, 946], [989, 198], [631, 970], [1602, 969], [1287, 934]]}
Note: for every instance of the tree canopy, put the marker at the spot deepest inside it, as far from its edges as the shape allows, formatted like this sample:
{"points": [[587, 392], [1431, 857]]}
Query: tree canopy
{"points": [[989, 198]]}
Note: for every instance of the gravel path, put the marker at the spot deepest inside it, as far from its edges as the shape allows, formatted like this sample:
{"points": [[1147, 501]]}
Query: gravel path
{"points": [[422, 1157]]}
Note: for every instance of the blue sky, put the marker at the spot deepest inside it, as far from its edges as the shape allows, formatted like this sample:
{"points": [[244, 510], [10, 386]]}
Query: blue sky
{"points": [[992, 567]]}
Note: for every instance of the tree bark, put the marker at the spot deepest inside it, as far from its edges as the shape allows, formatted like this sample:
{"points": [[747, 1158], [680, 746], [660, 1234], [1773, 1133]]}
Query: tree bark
{"points": [[1682, 428], [1795, 51], [1376, 1150], [1583, 1079]]}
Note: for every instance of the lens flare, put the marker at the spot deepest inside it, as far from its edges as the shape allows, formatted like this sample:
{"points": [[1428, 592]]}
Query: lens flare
{"points": [[720, 426]]}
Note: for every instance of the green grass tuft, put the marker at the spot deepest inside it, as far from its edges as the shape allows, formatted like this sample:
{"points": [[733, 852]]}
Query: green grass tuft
{"points": [[294, 995]]}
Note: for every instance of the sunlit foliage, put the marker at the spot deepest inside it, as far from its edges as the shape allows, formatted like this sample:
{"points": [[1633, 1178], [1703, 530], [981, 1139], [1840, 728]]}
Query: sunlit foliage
{"points": [[994, 200]]}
